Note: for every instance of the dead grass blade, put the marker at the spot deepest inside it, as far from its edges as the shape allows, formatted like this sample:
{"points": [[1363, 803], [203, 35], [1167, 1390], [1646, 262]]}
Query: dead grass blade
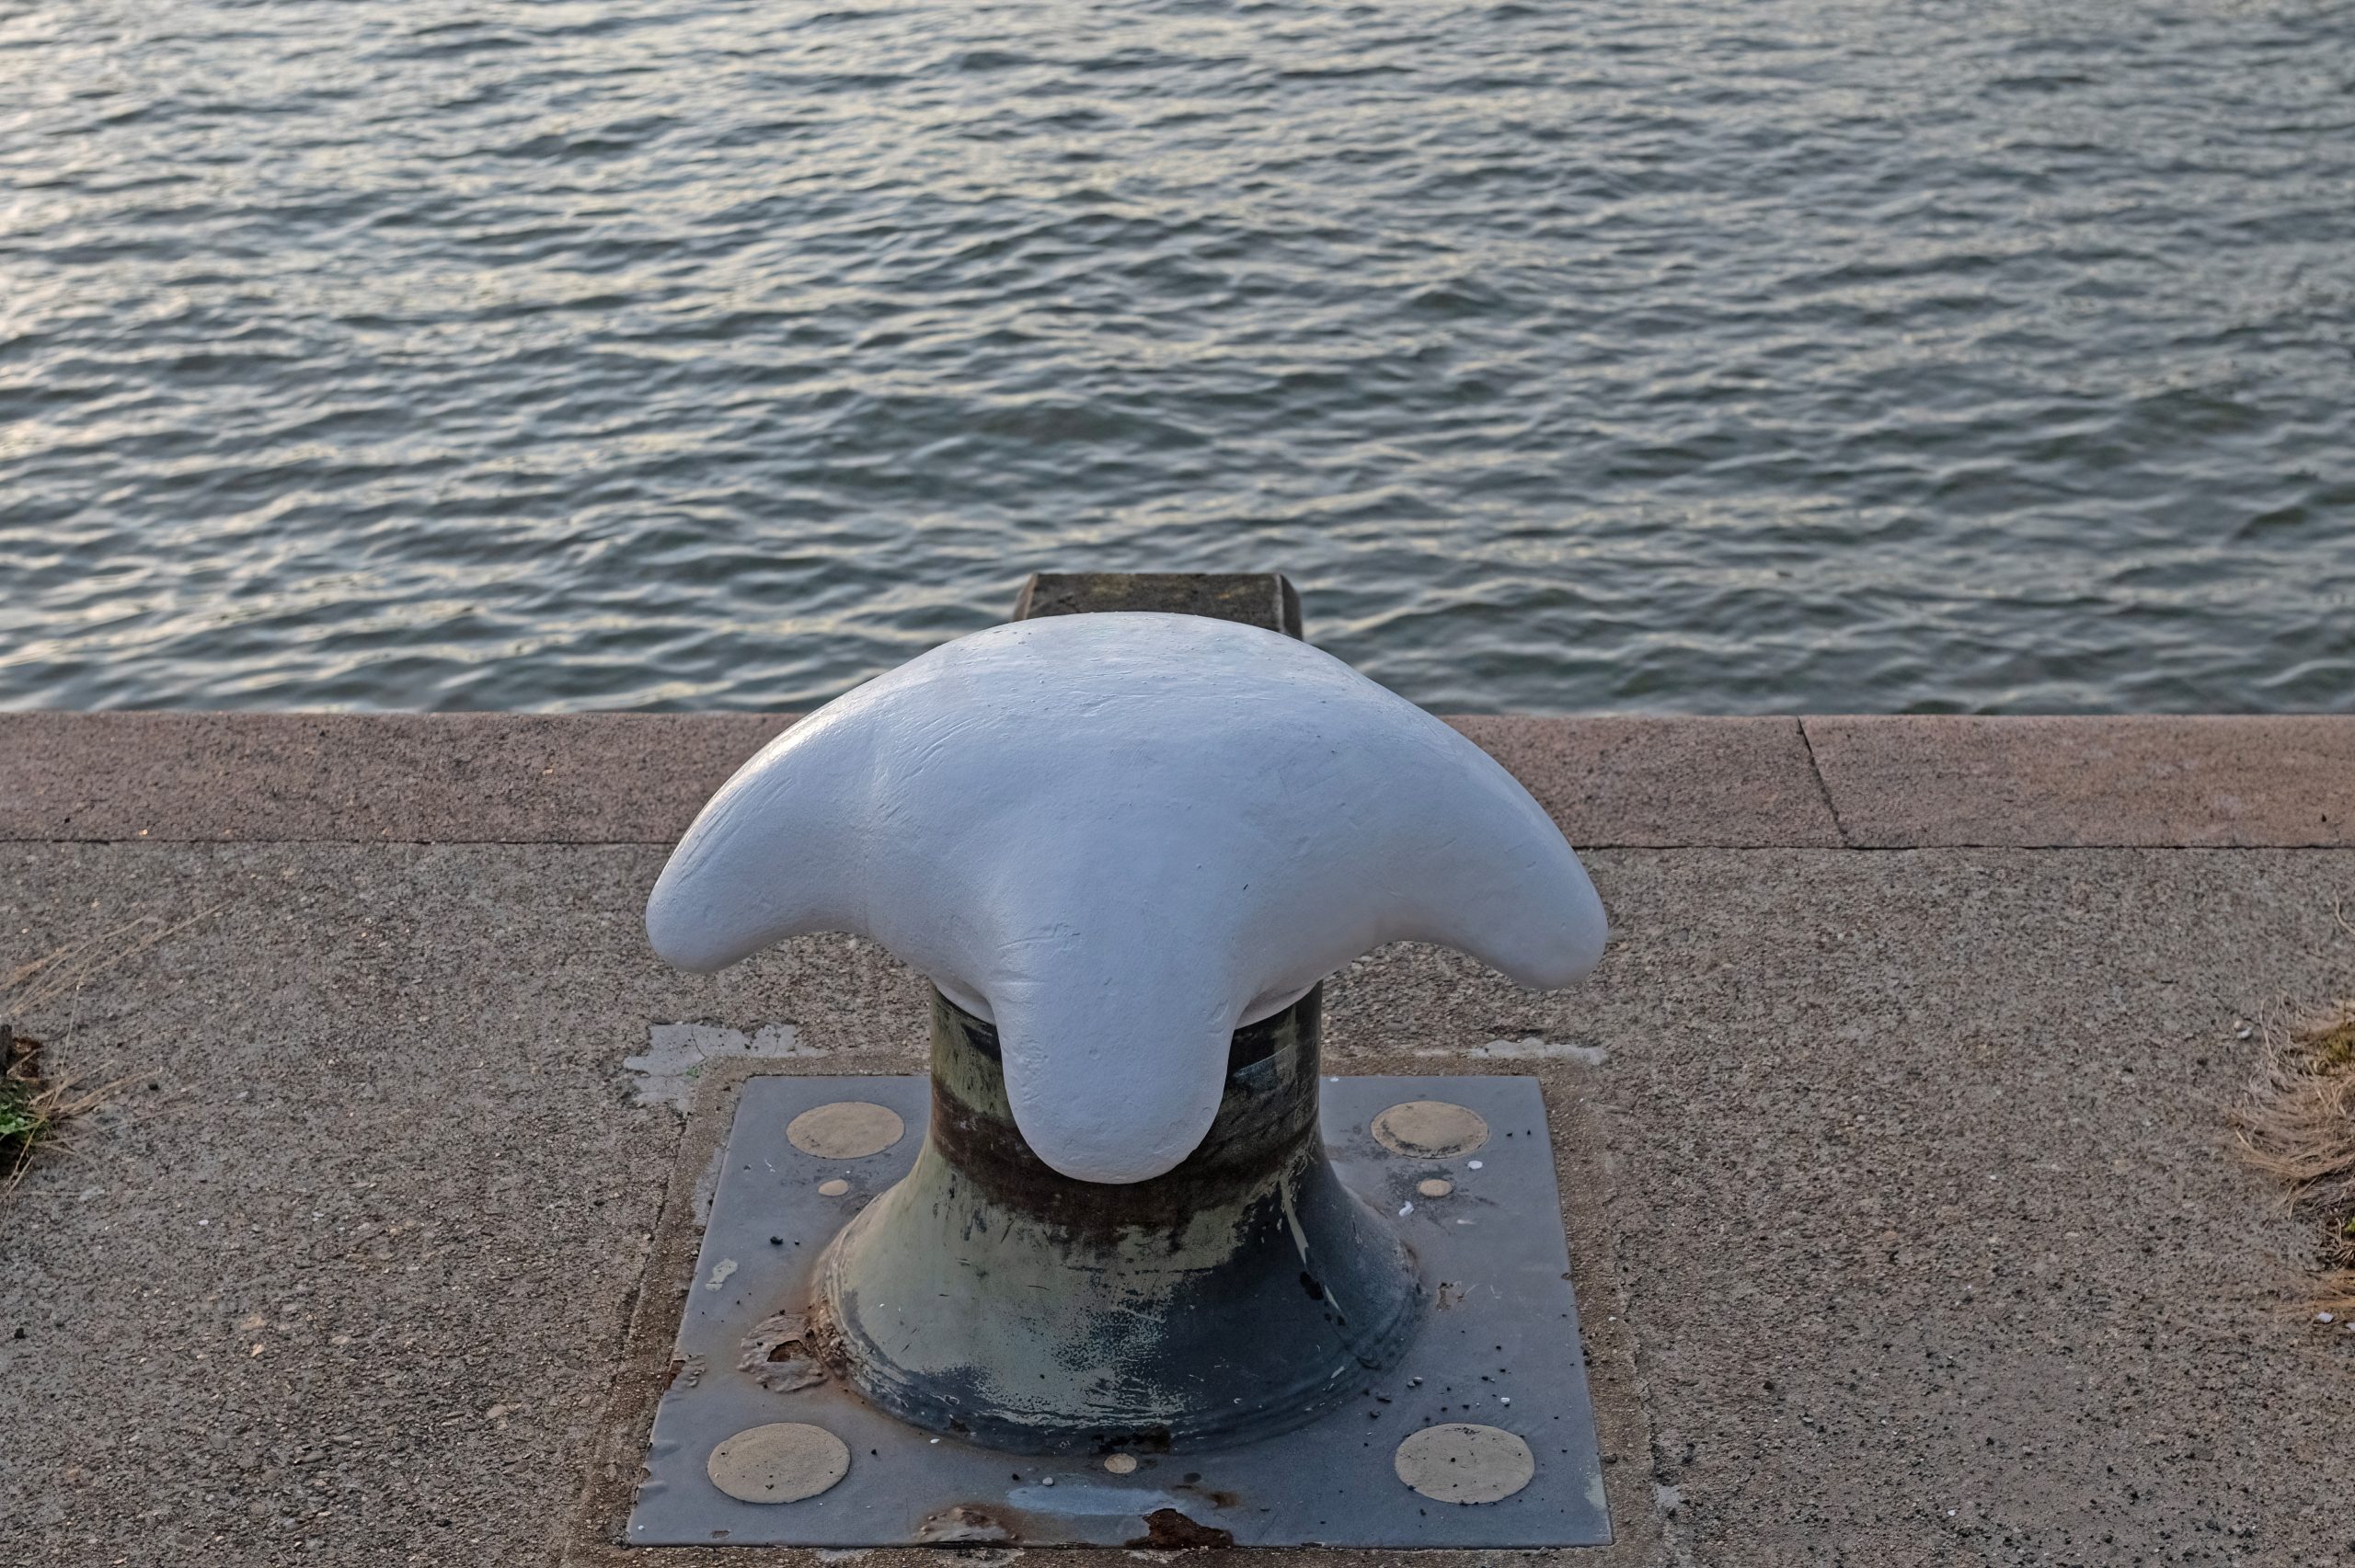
{"points": [[38, 983], [2297, 1124]]}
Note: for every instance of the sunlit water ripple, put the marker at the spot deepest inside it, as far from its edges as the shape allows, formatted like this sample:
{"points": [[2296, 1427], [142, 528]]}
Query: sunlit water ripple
{"points": [[1690, 354]]}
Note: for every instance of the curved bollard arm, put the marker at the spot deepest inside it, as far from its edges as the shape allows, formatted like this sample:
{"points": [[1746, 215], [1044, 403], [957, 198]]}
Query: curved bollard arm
{"points": [[1117, 838]]}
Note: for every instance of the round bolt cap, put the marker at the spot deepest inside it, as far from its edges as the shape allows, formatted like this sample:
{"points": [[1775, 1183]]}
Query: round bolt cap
{"points": [[848, 1129], [1464, 1463], [1430, 1129], [783, 1462]]}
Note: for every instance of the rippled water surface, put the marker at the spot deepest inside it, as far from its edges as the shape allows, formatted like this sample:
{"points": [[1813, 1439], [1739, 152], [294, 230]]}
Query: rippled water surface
{"points": [[1570, 354]]}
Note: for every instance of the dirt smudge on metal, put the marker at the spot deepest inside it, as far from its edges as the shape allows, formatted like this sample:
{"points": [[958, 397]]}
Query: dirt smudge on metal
{"points": [[963, 1523], [1216, 1499], [1166, 1529]]}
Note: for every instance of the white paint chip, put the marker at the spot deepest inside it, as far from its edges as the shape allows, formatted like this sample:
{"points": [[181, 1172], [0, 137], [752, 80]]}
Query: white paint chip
{"points": [[1529, 1047], [675, 1055]]}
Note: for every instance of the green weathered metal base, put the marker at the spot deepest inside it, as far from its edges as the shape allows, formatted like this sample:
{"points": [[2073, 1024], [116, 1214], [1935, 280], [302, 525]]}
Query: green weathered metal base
{"points": [[1500, 1349], [1094, 1318]]}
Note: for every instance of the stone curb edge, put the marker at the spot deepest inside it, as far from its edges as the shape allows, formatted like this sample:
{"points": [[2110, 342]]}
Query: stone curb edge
{"points": [[1612, 780]]}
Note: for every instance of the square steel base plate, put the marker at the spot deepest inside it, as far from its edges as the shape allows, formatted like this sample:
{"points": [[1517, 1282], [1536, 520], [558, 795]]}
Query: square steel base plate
{"points": [[1500, 1350]]}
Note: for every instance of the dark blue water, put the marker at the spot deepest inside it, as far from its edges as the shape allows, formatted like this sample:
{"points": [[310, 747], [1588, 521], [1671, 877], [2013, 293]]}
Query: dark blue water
{"points": [[1688, 354]]}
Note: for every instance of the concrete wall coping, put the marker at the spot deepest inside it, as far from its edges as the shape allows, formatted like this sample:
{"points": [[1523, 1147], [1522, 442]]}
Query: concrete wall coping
{"points": [[1612, 780]]}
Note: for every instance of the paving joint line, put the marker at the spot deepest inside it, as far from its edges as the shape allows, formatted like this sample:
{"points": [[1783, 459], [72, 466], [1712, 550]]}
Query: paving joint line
{"points": [[1823, 788]]}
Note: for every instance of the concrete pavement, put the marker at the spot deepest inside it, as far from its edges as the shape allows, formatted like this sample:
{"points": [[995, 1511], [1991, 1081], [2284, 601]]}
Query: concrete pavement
{"points": [[1904, 1220]]}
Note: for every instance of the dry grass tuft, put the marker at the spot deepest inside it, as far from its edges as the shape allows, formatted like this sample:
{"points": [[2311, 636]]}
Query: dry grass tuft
{"points": [[2297, 1125], [35, 1109], [27, 1108]]}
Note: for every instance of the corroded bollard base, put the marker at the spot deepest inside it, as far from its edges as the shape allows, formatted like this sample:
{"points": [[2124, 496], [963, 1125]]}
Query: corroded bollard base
{"points": [[1240, 1295], [1479, 1436]]}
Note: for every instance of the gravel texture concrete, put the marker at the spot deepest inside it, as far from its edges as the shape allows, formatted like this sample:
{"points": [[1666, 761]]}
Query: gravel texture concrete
{"points": [[1623, 781], [402, 778], [1902, 782], [1905, 1222]]}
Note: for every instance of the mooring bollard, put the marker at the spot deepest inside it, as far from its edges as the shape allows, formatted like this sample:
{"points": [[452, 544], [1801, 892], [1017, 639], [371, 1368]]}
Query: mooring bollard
{"points": [[1125, 848]]}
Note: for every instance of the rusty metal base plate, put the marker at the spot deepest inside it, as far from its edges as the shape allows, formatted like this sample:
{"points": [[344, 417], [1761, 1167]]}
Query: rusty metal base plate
{"points": [[1502, 1352]]}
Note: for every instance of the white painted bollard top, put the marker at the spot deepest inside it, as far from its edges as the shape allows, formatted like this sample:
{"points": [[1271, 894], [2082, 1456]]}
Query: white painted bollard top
{"points": [[1118, 837]]}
